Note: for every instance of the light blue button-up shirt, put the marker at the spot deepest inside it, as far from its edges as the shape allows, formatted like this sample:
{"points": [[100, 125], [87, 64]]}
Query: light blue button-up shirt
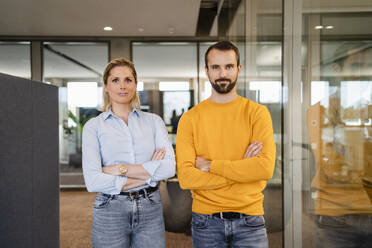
{"points": [[108, 140]]}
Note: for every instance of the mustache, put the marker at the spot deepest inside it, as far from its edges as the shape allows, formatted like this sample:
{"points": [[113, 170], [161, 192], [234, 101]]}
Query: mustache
{"points": [[222, 79]]}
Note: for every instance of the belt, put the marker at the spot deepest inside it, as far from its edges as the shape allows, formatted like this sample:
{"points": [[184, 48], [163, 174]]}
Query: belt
{"points": [[140, 192], [228, 215]]}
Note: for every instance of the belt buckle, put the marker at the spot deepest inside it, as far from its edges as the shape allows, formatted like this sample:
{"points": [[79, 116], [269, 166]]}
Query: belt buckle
{"points": [[133, 194]]}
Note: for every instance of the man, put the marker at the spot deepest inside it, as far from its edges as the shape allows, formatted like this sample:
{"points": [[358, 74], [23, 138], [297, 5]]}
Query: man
{"points": [[343, 181], [225, 154]]}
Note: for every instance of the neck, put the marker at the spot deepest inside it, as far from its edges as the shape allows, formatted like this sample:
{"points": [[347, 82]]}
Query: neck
{"points": [[121, 110], [223, 98]]}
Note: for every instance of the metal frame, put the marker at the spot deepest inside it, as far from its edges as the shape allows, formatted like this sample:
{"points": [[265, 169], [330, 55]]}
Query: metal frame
{"points": [[292, 96]]}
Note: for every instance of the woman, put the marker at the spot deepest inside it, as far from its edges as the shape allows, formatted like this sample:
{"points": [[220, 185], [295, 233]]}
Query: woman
{"points": [[125, 153]]}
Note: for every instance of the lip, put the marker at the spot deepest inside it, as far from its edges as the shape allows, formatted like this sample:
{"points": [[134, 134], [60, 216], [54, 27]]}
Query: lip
{"points": [[223, 81], [122, 94]]}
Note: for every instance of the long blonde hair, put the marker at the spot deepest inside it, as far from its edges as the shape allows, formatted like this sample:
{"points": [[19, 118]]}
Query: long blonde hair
{"points": [[135, 101]]}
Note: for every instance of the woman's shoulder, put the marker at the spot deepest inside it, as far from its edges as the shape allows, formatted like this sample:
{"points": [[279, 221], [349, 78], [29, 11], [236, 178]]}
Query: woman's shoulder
{"points": [[151, 116], [95, 121]]}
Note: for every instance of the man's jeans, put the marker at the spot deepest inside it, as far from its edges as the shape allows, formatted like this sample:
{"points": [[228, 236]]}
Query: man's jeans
{"points": [[343, 231], [213, 232], [122, 221]]}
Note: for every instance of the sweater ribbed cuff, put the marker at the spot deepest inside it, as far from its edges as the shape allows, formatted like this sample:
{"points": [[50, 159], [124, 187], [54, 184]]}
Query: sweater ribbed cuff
{"points": [[217, 167]]}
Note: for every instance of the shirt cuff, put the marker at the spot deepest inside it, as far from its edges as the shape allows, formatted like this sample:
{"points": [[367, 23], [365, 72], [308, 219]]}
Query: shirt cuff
{"points": [[120, 181], [217, 167], [151, 167]]}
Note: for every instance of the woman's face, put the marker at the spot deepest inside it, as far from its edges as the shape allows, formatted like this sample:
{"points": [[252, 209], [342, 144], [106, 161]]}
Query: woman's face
{"points": [[121, 85]]}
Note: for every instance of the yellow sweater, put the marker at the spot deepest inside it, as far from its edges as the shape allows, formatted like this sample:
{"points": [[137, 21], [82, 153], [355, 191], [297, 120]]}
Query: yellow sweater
{"points": [[221, 132]]}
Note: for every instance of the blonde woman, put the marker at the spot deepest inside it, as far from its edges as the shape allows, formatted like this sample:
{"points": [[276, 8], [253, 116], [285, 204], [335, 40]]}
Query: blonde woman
{"points": [[125, 153]]}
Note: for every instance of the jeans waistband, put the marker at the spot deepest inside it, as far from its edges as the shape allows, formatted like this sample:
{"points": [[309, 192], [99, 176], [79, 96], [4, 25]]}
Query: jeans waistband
{"points": [[228, 215], [140, 192]]}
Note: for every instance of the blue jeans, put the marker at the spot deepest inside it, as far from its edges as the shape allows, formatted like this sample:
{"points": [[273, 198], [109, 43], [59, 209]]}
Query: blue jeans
{"points": [[354, 230], [122, 221], [213, 232]]}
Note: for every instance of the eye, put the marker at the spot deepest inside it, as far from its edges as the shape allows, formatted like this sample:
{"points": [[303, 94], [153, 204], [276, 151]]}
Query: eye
{"points": [[128, 80], [215, 67], [115, 80], [229, 67]]}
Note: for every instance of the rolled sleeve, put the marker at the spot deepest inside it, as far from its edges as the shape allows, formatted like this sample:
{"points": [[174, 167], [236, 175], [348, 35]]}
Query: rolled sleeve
{"points": [[165, 168], [95, 179], [151, 167]]}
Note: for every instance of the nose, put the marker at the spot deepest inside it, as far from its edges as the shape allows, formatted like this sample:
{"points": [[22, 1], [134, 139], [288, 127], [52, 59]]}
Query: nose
{"points": [[223, 72], [122, 84]]}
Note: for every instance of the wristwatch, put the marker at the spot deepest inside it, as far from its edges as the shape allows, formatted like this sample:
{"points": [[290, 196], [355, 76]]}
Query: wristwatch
{"points": [[123, 170]]}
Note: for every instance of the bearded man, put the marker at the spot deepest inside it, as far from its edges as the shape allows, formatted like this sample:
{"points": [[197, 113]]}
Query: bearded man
{"points": [[225, 155]]}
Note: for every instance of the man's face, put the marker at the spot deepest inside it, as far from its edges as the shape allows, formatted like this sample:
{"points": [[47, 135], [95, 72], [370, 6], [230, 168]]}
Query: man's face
{"points": [[222, 70]]}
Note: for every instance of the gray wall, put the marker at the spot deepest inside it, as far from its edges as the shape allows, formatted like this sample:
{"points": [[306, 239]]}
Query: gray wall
{"points": [[29, 182]]}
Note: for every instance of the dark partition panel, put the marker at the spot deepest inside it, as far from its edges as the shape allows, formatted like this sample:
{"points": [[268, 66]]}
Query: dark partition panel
{"points": [[29, 182]]}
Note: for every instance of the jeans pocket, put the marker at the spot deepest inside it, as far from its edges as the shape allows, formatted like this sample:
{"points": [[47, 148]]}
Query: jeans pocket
{"points": [[199, 221], [331, 221], [154, 198], [102, 201], [257, 221]]}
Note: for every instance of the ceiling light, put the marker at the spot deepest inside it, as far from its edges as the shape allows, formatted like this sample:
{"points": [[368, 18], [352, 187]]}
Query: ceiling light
{"points": [[329, 27], [318, 27], [141, 30], [107, 28], [171, 30]]}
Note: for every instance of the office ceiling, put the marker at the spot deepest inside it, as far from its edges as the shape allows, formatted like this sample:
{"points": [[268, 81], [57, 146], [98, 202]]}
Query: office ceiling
{"points": [[89, 17]]}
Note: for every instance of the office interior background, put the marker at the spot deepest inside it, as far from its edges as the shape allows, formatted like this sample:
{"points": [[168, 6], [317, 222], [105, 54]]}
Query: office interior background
{"points": [[290, 53]]}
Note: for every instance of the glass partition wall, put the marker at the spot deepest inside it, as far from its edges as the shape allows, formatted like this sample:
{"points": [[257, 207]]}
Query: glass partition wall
{"points": [[15, 58], [76, 68], [327, 116]]}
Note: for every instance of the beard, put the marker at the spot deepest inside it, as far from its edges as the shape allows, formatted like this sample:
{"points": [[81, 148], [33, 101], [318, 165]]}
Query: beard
{"points": [[223, 88]]}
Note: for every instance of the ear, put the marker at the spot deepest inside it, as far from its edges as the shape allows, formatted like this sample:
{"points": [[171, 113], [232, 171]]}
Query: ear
{"points": [[206, 70], [239, 68]]}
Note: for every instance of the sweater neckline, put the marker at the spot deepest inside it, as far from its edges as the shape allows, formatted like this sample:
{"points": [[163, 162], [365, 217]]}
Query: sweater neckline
{"points": [[226, 104]]}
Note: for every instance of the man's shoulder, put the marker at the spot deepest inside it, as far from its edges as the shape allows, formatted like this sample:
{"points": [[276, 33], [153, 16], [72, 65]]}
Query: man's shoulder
{"points": [[253, 106]]}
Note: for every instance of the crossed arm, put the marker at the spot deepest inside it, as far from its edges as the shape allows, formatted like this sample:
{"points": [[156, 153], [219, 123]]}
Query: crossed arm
{"points": [[109, 179], [136, 174], [256, 164]]}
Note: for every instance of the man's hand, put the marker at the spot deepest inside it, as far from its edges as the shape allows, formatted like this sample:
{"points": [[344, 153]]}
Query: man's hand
{"points": [[202, 164], [158, 154], [253, 150]]}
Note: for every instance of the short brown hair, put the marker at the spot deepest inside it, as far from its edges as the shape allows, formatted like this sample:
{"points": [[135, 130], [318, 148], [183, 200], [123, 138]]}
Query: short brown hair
{"points": [[223, 46], [135, 102]]}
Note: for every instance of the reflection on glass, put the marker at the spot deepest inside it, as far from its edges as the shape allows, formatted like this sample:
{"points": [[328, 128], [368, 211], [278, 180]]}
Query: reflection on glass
{"points": [[340, 128]]}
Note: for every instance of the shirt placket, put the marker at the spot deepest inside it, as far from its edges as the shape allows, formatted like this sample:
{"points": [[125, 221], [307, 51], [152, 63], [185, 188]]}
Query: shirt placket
{"points": [[127, 132]]}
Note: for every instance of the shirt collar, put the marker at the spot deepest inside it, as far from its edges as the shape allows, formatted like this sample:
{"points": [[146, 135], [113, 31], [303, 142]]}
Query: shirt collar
{"points": [[109, 113]]}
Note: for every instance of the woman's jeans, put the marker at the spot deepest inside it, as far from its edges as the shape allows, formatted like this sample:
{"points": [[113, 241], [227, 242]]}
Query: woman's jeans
{"points": [[212, 232], [124, 221]]}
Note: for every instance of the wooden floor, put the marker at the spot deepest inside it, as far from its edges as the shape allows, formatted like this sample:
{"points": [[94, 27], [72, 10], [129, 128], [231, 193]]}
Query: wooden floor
{"points": [[75, 223]]}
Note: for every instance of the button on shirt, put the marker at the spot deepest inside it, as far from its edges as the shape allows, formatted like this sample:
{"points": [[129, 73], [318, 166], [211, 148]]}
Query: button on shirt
{"points": [[108, 140]]}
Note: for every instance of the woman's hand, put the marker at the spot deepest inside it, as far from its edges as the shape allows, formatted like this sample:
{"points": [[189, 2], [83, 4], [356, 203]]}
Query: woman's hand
{"points": [[133, 183], [158, 154], [253, 150]]}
